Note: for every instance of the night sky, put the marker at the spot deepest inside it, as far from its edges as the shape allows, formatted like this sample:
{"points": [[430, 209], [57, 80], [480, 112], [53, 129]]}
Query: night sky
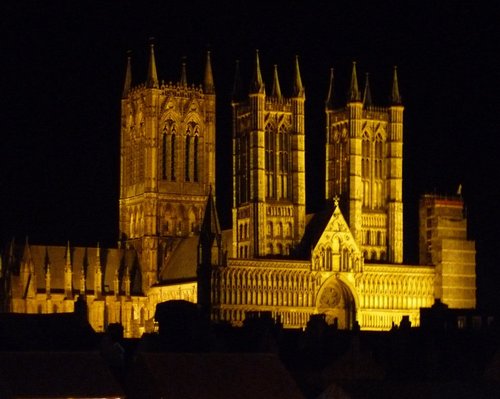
{"points": [[62, 69]]}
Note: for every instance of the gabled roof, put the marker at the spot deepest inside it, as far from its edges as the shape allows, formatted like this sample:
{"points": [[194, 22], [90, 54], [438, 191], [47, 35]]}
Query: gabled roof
{"points": [[323, 225], [182, 263]]}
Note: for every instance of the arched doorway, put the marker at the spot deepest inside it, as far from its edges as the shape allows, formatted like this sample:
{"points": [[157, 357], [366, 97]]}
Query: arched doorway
{"points": [[336, 302]]}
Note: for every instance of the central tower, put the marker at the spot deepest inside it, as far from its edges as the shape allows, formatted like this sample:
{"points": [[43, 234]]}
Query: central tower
{"points": [[167, 163], [268, 167]]}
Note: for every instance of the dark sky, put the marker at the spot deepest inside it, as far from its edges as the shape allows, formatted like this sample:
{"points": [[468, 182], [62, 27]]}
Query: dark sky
{"points": [[62, 68]]}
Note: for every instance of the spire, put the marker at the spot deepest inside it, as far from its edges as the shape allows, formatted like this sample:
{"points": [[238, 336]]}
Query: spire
{"points": [[208, 83], [27, 258], [83, 282], [210, 226], [183, 79], [98, 258], [98, 273], [47, 280], [126, 282], [68, 257], [128, 77], [116, 283], [298, 89], [276, 92], [329, 97], [395, 96], [353, 94], [237, 85], [257, 82], [152, 80], [367, 95], [68, 274]]}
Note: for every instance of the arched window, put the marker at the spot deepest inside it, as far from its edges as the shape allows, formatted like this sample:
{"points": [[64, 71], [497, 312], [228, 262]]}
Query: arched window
{"points": [[195, 159], [172, 156], [270, 162], [378, 172], [187, 158], [366, 170], [164, 156], [283, 161], [167, 153]]}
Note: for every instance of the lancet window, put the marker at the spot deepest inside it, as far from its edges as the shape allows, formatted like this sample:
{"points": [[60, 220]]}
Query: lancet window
{"points": [[283, 152], [168, 151], [270, 161]]}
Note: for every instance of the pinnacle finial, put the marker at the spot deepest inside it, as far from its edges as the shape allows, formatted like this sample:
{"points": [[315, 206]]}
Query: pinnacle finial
{"points": [[68, 255], [257, 82], [128, 76], [237, 86], [329, 97], [367, 95], [354, 95], [208, 83], [276, 92], [298, 88], [395, 96], [183, 79], [152, 79]]}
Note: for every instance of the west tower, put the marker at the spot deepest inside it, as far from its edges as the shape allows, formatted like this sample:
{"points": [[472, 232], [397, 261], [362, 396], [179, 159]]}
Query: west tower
{"points": [[364, 167], [167, 163], [268, 166]]}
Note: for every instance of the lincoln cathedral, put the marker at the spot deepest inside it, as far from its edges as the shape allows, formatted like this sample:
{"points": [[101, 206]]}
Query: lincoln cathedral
{"points": [[345, 262]]}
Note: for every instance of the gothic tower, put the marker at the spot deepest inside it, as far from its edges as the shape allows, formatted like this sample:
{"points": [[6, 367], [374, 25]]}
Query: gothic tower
{"points": [[167, 163], [364, 167], [268, 167]]}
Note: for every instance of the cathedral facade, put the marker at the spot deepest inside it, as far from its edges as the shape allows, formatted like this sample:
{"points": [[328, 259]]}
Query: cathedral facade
{"points": [[345, 262]]}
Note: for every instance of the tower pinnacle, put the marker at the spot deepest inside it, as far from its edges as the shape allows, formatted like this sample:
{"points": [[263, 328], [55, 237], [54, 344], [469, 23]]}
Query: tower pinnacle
{"points": [[354, 94], [152, 79], [276, 92], [237, 86], [208, 83], [395, 96], [329, 97], [367, 95], [183, 79], [257, 82], [128, 77], [298, 89]]}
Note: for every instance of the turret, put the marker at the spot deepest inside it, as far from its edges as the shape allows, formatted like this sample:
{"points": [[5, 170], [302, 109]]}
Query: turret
{"points": [[355, 189], [395, 173]]}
